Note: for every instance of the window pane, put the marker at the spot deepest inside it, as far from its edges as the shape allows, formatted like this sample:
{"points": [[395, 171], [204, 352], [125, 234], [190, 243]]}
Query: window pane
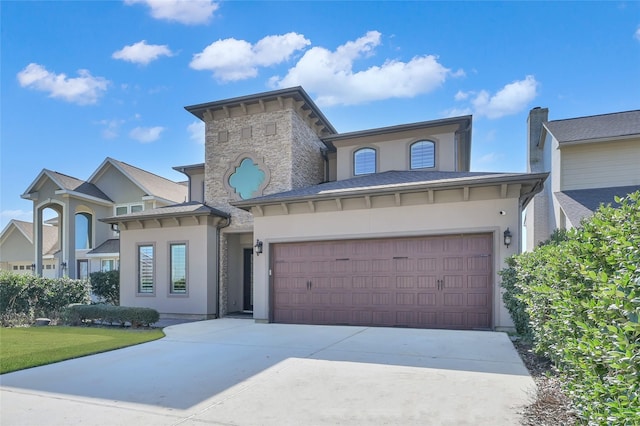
{"points": [[120, 210], [137, 208], [178, 268], [423, 155], [145, 269], [83, 231], [364, 161]]}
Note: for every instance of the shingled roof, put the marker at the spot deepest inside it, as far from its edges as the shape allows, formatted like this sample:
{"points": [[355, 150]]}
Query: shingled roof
{"points": [[49, 234], [178, 210], [578, 204], [388, 181], [152, 183], [605, 126]]}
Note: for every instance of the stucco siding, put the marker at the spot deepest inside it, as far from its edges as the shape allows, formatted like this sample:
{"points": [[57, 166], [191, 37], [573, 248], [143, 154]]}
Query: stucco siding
{"points": [[118, 187], [599, 165], [393, 151], [413, 220], [201, 257], [15, 248]]}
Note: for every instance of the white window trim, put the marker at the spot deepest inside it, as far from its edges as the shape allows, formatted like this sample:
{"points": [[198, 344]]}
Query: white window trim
{"points": [[129, 206], [153, 271], [186, 268]]}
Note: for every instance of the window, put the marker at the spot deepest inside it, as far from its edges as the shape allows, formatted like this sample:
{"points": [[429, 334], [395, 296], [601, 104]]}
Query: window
{"points": [[364, 161], [128, 208], [178, 265], [15, 267], [107, 265], [423, 155], [47, 266], [145, 269], [83, 231]]}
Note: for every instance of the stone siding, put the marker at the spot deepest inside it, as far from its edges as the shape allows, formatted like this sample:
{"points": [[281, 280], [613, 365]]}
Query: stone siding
{"points": [[281, 141], [307, 165]]}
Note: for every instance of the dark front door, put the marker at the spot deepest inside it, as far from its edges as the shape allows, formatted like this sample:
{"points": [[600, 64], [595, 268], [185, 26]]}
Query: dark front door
{"points": [[247, 284], [83, 269]]}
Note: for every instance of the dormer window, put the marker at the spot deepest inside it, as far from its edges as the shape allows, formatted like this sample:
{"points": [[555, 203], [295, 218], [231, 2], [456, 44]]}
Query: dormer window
{"points": [[364, 161], [423, 155]]}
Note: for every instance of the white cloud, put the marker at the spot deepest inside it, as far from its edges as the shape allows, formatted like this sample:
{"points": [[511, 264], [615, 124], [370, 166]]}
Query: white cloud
{"points": [[636, 35], [457, 112], [189, 12], [146, 134], [331, 74], [460, 96], [231, 59], [196, 131], [142, 53], [511, 99], [82, 90], [489, 158], [25, 215], [111, 128]]}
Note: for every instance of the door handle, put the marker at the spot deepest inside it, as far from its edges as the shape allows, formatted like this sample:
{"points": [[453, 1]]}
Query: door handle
{"points": [[308, 285]]}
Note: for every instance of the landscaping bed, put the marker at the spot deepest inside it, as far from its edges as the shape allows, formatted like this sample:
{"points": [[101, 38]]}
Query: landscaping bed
{"points": [[550, 406]]}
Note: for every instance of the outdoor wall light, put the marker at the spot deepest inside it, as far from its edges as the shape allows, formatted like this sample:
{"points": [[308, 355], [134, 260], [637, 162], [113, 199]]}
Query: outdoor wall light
{"points": [[33, 266], [507, 237], [63, 265], [115, 227], [258, 247]]}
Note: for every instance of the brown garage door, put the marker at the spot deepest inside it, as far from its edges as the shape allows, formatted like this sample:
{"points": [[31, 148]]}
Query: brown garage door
{"points": [[427, 282]]}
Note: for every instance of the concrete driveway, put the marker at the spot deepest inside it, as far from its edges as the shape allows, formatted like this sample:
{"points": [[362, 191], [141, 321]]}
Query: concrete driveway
{"points": [[237, 372]]}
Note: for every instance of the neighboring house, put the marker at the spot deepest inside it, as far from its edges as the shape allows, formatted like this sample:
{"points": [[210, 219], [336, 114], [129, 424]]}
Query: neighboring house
{"points": [[86, 244], [591, 160], [17, 249], [297, 223]]}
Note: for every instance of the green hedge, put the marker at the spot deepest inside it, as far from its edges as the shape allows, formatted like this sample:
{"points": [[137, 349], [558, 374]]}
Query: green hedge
{"points": [[29, 296], [77, 314], [579, 299], [106, 285]]}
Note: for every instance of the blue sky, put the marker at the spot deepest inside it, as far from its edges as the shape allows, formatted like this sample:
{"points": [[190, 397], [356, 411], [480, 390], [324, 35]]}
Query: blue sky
{"points": [[83, 80]]}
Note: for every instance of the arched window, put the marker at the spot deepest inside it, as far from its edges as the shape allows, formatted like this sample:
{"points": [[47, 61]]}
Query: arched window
{"points": [[364, 161], [423, 155], [83, 231]]}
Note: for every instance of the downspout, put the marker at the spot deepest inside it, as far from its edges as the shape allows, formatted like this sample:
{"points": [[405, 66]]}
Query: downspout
{"points": [[325, 157], [218, 266]]}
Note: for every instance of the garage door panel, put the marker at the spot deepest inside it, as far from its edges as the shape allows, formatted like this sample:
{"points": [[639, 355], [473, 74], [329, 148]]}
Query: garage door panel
{"points": [[452, 263], [404, 299], [478, 281], [426, 264], [427, 299], [477, 299], [361, 282], [361, 299], [405, 282], [427, 281], [381, 299], [434, 282], [454, 300], [381, 282]]}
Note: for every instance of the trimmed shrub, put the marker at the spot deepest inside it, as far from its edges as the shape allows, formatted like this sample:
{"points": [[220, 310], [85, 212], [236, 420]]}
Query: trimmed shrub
{"points": [[582, 296], [30, 296], [106, 285], [78, 314]]}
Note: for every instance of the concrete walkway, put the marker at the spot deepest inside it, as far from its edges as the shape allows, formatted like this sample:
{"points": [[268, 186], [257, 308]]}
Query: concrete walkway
{"points": [[237, 372]]}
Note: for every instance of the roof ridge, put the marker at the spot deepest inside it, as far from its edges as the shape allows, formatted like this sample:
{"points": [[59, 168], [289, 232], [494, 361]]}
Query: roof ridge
{"points": [[593, 115], [65, 175], [144, 171]]}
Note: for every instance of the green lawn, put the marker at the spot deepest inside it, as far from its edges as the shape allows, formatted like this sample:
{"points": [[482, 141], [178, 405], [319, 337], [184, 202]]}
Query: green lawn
{"points": [[27, 347]]}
